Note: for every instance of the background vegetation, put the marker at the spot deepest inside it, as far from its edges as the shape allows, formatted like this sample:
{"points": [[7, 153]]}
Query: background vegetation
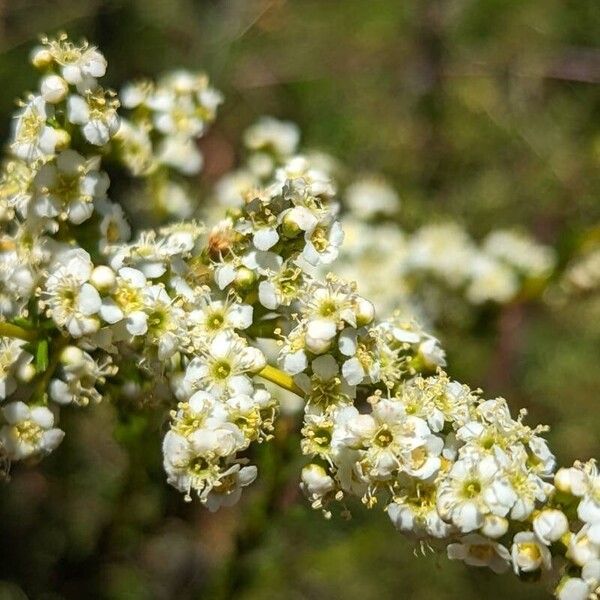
{"points": [[483, 111]]}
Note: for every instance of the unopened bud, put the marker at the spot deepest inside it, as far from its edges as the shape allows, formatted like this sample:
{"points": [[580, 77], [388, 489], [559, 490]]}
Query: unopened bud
{"points": [[26, 373], [569, 480], [550, 525], [365, 312], [290, 227], [315, 480], [54, 89], [494, 526], [244, 278], [72, 356], [40, 57], [63, 139], [317, 345], [103, 278]]}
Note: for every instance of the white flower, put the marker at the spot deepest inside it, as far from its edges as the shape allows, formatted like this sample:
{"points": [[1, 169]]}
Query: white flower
{"points": [[163, 320], [587, 487], [477, 551], [231, 189], [150, 254], [253, 414], [72, 302], [135, 93], [315, 482], [584, 546], [529, 553], [28, 431], [521, 252], [494, 527], [176, 114], [192, 462], [12, 359], [113, 227], [444, 250], [279, 137], [298, 218], [79, 64], [390, 438], [33, 138], [319, 333], [226, 366], [303, 180], [228, 489], [413, 512], [293, 360], [491, 280], [370, 196], [181, 153], [68, 187], [173, 199], [472, 489], [573, 588], [214, 316], [424, 461], [127, 302], [80, 374], [280, 287], [322, 244], [135, 147], [96, 113]]}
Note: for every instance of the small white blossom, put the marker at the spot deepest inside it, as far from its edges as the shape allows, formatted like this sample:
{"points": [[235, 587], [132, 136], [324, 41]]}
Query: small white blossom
{"points": [[96, 113], [529, 553], [477, 551], [28, 431], [33, 137]]}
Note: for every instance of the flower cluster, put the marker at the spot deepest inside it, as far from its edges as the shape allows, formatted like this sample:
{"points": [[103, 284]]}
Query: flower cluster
{"points": [[51, 185], [157, 140], [166, 118], [440, 260], [269, 143], [426, 265], [181, 310]]}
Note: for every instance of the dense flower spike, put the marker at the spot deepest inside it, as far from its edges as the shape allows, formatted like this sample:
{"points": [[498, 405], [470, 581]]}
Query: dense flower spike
{"points": [[177, 314]]}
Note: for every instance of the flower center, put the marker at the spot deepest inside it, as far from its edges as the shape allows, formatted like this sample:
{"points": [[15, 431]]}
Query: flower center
{"points": [[28, 432], [215, 321], [319, 239], [221, 369], [418, 457], [472, 488], [328, 308], [128, 297], [384, 437], [530, 551]]}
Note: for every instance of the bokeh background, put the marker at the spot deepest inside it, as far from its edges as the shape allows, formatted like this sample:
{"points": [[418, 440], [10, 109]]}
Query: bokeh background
{"points": [[483, 111]]}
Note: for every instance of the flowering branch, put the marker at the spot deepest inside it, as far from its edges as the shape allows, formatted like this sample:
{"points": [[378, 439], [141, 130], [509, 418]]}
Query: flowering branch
{"points": [[177, 309]]}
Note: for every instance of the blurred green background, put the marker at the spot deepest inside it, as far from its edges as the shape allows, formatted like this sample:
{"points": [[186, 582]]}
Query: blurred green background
{"points": [[483, 111]]}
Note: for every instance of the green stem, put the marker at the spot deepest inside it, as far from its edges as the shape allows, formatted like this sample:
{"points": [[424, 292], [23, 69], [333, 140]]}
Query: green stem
{"points": [[14, 331], [42, 384], [281, 379]]}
